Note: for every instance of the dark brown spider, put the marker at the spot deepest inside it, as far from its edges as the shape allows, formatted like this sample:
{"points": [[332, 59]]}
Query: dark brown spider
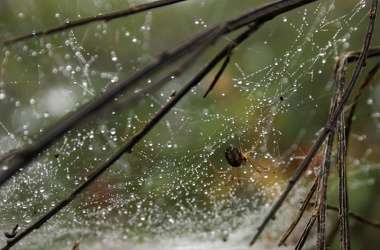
{"points": [[236, 158]]}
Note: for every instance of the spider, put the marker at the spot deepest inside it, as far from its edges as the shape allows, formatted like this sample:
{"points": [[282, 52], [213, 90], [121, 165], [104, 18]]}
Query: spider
{"points": [[236, 158]]}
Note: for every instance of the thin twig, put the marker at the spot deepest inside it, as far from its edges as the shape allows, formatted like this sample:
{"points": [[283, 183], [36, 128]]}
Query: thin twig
{"points": [[76, 244], [220, 72], [100, 17], [365, 83], [301, 212], [340, 76], [354, 215], [343, 135], [322, 189], [343, 193], [340, 66], [341, 164], [206, 38], [329, 126], [354, 55], [358, 217], [306, 232]]}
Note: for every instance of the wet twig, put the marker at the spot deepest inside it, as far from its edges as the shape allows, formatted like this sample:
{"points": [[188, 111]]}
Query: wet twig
{"points": [[358, 217], [341, 164], [329, 126], [83, 21], [341, 67], [343, 193], [220, 72], [77, 243], [302, 209], [320, 207]]}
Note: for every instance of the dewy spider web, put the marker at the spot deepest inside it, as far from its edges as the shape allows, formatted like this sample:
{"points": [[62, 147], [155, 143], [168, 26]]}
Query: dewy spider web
{"points": [[165, 193]]}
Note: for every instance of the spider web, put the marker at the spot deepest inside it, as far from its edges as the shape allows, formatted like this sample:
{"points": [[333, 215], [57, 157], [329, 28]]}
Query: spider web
{"points": [[275, 91]]}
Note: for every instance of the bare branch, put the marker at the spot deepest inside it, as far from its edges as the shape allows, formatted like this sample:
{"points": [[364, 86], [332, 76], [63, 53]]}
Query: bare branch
{"points": [[322, 188], [329, 126], [341, 164], [306, 231], [100, 17], [220, 72], [359, 217], [301, 212]]}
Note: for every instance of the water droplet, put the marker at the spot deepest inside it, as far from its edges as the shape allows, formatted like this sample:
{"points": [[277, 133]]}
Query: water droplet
{"points": [[2, 94], [322, 52], [113, 56], [316, 169]]}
